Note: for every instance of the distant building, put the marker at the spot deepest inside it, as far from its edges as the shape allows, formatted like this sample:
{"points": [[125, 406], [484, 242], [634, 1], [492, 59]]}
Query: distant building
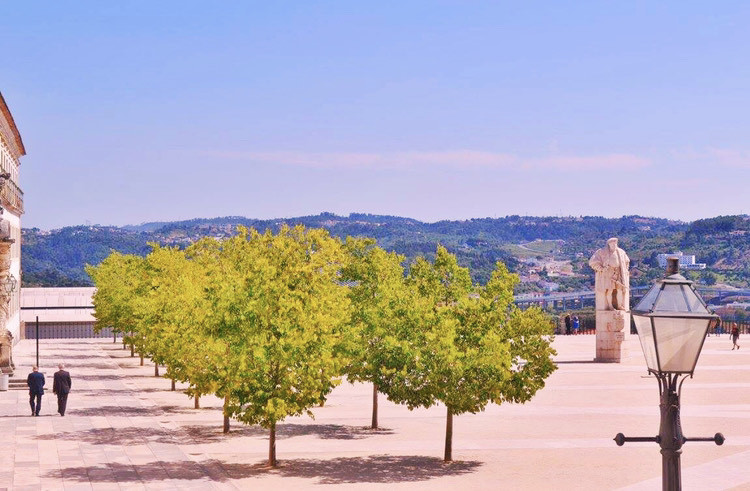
{"points": [[549, 286], [61, 313], [11, 201], [686, 261]]}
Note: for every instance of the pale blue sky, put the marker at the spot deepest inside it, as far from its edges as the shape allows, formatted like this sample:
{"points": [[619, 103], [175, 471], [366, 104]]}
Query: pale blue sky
{"points": [[140, 111]]}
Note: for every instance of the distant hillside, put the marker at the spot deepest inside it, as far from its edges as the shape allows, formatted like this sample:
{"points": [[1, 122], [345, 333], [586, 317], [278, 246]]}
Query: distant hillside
{"points": [[57, 258]]}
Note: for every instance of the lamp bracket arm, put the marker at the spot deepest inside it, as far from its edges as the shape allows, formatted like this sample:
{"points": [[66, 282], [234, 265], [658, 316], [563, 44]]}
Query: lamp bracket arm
{"points": [[718, 439], [621, 439]]}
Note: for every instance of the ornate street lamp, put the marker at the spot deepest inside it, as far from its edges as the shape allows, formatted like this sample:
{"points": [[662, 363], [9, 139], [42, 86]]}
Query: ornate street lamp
{"points": [[672, 321], [9, 285]]}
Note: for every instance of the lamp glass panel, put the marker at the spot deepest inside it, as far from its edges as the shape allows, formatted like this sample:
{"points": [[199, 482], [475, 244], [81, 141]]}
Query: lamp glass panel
{"points": [[694, 302], [679, 341], [647, 302], [646, 336], [672, 299]]}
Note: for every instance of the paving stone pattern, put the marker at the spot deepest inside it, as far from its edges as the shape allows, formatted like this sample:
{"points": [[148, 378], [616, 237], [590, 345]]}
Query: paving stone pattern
{"points": [[124, 429]]}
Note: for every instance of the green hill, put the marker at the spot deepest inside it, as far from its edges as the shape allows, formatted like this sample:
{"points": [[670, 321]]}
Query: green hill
{"points": [[544, 250]]}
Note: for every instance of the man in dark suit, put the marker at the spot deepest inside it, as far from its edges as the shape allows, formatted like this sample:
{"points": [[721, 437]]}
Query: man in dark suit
{"points": [[61, 387], [35, 381]]}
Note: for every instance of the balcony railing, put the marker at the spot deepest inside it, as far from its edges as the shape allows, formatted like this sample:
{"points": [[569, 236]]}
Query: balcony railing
{"points": [[12, 197]]}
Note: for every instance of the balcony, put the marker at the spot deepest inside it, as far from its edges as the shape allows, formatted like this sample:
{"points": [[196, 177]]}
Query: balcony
{"points": [[12, 197]]}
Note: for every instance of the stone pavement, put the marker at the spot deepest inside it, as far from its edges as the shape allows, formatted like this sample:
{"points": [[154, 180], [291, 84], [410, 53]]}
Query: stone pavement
{"points": [[125, 429]]}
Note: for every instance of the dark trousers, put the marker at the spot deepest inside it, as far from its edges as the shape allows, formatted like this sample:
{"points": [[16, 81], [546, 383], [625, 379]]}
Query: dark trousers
{"points": [[38, 407], [62, 401]]}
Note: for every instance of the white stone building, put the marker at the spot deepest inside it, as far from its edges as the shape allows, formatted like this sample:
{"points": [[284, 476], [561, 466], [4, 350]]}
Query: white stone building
{"points": [[686, 261], [11, 200]]}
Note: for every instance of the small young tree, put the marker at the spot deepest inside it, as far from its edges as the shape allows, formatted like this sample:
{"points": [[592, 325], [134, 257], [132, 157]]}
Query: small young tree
{"points": [[468, 346], [120, 280], [175, 309], [280, 309], [379, 299]]}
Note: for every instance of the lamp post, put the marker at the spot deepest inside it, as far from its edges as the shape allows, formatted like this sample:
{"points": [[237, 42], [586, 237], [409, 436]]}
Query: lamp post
{"points": [[672, 321]]}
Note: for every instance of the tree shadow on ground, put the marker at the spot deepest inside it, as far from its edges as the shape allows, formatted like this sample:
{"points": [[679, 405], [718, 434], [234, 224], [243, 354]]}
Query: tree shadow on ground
{"points": [[129, 436], [146, 473], [100, 376], [202, 433], [98, 366], [110, 376], [377, 469], [132, 366], [68, 347], [372, 469], [136, 435], [128, 411], [123, 391], [66, 356]]}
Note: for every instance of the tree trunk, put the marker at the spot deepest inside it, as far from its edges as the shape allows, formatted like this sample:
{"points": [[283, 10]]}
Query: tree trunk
{"points": [[448, 437], [141, 359], [272, 446], [115, 341], [197, 401], [124, 344], [132, 350], [374, 425], [156, 369], [226, 414], [174, 384]]}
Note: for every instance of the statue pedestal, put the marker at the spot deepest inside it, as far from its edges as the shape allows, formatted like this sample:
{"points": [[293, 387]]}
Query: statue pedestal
{"points": [[611, 328]]}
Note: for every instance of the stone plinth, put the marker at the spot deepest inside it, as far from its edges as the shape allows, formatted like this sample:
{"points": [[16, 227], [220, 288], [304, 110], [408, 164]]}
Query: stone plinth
{"points": [[611, 328]]}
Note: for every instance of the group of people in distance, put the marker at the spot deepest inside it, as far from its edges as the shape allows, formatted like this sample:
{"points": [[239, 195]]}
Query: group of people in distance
{"points": [[60, 386], [572, 325]]}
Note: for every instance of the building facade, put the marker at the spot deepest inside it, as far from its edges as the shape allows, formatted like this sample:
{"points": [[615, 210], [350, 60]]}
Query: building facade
{"points": [[59, 313], [11, 202], [687, 261]]}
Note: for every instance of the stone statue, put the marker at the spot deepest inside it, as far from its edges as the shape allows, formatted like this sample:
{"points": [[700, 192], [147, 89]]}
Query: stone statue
{"points": [[6, 351], [612, 277], [4, 227]]}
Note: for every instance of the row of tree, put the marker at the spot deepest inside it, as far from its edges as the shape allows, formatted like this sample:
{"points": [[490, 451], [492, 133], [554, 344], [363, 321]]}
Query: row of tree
{"points": [[271, 323]]}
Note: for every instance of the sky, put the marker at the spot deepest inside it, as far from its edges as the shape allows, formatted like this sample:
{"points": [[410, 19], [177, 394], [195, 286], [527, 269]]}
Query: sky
{"points": [[139, 111]]}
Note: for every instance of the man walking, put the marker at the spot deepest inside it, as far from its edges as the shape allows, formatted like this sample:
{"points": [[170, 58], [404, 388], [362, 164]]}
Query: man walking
{"points": [[735, 336], [35, 381], [61, 386]]}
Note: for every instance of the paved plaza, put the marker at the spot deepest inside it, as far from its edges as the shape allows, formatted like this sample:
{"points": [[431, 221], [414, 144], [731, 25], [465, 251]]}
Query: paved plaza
{"points": [[125, 429]]}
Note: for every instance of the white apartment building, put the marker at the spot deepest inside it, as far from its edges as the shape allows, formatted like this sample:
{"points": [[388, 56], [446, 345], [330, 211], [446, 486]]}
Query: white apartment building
{"points": [[686, 261], [11, 200]]}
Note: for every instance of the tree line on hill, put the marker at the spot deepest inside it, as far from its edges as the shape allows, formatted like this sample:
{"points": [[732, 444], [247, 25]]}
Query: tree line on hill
{"points": [[272, 322], [58, 258]]}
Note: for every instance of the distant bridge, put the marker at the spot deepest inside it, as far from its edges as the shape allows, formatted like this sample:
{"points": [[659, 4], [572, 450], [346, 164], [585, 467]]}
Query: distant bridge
{"points": [[585, 298]]}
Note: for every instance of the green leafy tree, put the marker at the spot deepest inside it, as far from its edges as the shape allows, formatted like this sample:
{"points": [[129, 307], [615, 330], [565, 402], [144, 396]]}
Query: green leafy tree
{"points": [[708, 278], [174, 310], [120, 279], [379, 300], [468, 346], [281, 311]]}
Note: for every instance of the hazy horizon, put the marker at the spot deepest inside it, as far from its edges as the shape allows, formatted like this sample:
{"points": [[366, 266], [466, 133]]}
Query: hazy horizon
{"points": [[346, 215]]}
